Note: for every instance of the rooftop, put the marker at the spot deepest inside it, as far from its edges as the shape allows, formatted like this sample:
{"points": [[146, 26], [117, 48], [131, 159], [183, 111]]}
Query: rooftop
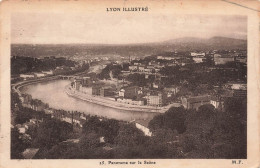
{"points": [[29, 153], [198, 98], [143, 122]]}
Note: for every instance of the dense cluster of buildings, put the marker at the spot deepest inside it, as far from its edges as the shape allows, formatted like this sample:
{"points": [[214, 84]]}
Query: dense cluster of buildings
{"points": [[220, 57], [153, 67], [134, 95], [158, 94], [231, 91]]}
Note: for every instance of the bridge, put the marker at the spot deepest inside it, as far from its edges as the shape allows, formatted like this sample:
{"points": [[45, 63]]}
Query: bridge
{"points": [[67, 77]]}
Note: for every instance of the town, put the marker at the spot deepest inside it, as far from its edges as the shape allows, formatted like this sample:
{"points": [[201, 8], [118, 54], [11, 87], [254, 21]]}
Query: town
{"points": [[182, 83], [170, 79]]}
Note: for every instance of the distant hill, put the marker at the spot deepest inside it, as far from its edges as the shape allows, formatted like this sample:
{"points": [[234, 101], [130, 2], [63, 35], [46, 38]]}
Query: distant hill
{"points": [[185, 40], [227, 41], [139, 50], [208, 44]]}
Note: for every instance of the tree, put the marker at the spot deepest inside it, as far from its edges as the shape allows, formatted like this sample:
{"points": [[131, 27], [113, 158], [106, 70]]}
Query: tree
{"points": [[236, 107], [137, 79], [89, 141], [164, 136], [110, 130], [188, 143], [107, 128], [51, 132], [172, 119], [229, 137], [162, 144], [15, 100], [212, 134], [17, 145], [22, 116], [63, 150], [110, 68], [125, 66], [175, 118], [170, 70], [156, 123], [92, 124], [32, 131], [129, 135]]}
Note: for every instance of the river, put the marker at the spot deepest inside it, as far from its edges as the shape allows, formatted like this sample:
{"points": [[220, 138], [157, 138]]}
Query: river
{"points": [[52, 92]]}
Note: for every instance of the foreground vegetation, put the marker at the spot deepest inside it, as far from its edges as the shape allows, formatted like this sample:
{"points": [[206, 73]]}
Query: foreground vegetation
{"points": [[178, 133]]}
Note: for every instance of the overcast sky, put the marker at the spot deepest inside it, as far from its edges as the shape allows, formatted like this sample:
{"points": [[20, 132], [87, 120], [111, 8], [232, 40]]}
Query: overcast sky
{"points": [[121, 29]]}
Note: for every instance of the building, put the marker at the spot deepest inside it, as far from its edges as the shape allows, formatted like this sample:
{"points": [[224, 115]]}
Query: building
{"points": [[77, 84], [139, 102], [133, 67], [107, 91], [30, 153], [21, 128], [165, 58], [141, 68], [157, 84], [156, 70], [197, 54], [241, 59], [217, 102], [198, 59], [75, 118], [195, 102], [148, 70], [150, 67], [238, 90], [169, 58], [96, 90], [38, 75], [137, 63], [34, 121], [223, 59], [48, 72], [26, 98], [121, 93], [86, 81], [172, 90], [143, 126], [155, 99], [27, 76], [132, 92], [159, 57], [83, 89], [48, 111], [238, 86]]}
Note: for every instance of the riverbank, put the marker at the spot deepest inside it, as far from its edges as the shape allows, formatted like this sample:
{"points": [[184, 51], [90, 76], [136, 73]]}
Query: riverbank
{"points": [[18, 85], [114, 104]]}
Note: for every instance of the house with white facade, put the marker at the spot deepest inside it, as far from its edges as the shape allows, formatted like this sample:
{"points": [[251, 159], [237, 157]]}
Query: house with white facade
{"points": [[143, 126], [38, 75], [26, 76]]}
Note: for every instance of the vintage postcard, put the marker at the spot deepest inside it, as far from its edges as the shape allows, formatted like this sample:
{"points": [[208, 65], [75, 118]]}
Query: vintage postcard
{"points": [[130, 84]]}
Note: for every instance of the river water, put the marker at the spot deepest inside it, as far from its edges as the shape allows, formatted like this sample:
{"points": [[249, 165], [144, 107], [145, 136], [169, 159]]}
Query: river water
{"points": [[52, 92]]}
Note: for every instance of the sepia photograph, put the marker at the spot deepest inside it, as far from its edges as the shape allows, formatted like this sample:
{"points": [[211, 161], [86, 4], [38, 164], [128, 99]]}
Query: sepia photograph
{"points": [[127, 84]]}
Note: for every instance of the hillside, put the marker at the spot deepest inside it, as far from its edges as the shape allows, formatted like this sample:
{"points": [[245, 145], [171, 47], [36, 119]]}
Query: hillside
{"points": [[139, 50]]}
